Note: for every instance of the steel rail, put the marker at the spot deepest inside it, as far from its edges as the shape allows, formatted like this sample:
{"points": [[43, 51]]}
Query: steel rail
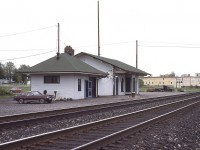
{"points": [[37, 116], [60, 113], [99, 143], [58, 133]]}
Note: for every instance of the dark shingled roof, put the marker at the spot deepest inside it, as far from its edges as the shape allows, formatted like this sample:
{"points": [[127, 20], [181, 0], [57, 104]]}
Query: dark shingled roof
{"points": [[117, 64], [65, 64]]}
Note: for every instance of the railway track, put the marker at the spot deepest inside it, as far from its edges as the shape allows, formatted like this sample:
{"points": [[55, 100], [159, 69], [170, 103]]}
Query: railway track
{"points": [[17, 118], [96, 134], [24, 121]]}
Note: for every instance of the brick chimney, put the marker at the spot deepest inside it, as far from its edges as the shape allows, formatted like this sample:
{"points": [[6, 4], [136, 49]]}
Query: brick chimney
{"points": [[69, 50]]}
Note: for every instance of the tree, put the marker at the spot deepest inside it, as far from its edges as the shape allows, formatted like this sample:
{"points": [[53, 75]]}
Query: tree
{"points": [[2, 73], [23, 77], [9, 69], [172, 74], [16, 77], [141, 83]]}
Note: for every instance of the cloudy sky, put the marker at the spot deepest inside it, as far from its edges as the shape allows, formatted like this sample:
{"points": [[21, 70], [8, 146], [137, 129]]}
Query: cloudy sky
{"points": [[168, 31]]}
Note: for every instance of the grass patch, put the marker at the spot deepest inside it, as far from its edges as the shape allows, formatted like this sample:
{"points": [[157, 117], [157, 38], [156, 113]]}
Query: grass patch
{"points": [[5, 89], [185, 89], [145, 88], [190, 90], [6, 97]]}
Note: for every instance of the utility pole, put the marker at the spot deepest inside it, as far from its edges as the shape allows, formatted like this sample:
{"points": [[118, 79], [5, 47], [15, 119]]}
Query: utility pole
{"points": [[137, 79], [137, 54], [58, 38], [98, 29], [58, 53]]}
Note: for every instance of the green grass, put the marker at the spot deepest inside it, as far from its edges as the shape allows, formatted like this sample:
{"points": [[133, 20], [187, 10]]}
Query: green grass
{"points": [[7, 88], [187, 89], [6, 97], [10, 86], [144, 88]]}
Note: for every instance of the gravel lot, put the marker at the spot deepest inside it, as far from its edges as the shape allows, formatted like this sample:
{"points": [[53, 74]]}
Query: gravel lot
{"points": [[48, 125], [181, 132], [10, 107]]}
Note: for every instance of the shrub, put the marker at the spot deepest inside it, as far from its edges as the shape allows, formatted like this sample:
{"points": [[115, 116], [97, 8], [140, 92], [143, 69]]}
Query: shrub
{"points": [[180, 90], [151, 90], [3, 92]]}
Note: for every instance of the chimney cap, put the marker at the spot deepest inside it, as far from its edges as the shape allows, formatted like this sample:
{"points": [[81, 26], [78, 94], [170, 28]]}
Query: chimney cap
{"points": [[69, 50]]}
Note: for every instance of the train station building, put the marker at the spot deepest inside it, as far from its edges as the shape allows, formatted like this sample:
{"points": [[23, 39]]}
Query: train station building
{"points": [[84, 76]]}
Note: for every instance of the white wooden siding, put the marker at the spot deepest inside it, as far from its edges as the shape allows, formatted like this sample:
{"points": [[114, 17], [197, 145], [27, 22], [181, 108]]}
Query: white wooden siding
{"points": [[67, 88], [104, 67], [119, 84], [105, 85]]}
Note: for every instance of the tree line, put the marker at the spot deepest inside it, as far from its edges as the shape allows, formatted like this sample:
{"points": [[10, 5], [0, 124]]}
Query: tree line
{"points": [[172, 74], [10, 72]]}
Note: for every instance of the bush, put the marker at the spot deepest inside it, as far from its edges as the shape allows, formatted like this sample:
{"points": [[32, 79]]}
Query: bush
{"points": [[151, 90], [3, 92], [180, 90]]}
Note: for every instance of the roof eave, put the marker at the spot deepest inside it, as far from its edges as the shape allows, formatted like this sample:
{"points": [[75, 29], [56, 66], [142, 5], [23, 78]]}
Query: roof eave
{"points": [[64, 72], [138, 73]]}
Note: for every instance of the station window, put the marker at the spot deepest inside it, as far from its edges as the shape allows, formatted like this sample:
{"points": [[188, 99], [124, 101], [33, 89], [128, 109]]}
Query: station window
{"points": [[79, 84], [122, 85], [52, 79]]}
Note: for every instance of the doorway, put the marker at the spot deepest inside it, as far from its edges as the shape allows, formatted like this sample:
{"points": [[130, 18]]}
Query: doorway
{"points": [[86, 88], [90, 88], [128, 84], [117, 79], [134, 85]]}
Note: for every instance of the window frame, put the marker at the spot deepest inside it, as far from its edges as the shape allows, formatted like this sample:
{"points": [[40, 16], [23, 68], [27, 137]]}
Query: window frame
{"points": [[49, 79], [79, 84], [122, 85]]}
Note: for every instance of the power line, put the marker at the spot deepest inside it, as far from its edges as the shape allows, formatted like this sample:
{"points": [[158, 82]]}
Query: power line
{"points": [[103, 44], [169, 46], [1, 36], [178, 45], [119, 43], [85, 46], [25, 49], [28, 56], [169, 43]]}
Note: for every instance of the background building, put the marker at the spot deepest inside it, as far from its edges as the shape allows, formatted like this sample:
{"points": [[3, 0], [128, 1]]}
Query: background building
{"points": [[184, 80]]}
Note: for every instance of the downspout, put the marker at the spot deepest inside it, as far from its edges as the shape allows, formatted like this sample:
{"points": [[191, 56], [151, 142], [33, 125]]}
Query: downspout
{"points": [[30, 83], [113, 84], [136, 84], [97, 89]]}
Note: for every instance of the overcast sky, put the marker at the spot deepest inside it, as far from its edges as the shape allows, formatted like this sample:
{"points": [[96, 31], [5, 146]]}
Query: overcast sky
{"points": [[168, 31]]}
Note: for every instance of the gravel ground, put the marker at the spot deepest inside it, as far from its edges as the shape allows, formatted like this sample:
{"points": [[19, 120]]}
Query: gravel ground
{"points": [[10, 107], [181, 132], [30, 129]]}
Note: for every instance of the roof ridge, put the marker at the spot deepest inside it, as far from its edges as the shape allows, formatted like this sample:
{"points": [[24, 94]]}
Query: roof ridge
{"points": [[117, 63], [71, 61], [82, 63], [65, 63]]}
